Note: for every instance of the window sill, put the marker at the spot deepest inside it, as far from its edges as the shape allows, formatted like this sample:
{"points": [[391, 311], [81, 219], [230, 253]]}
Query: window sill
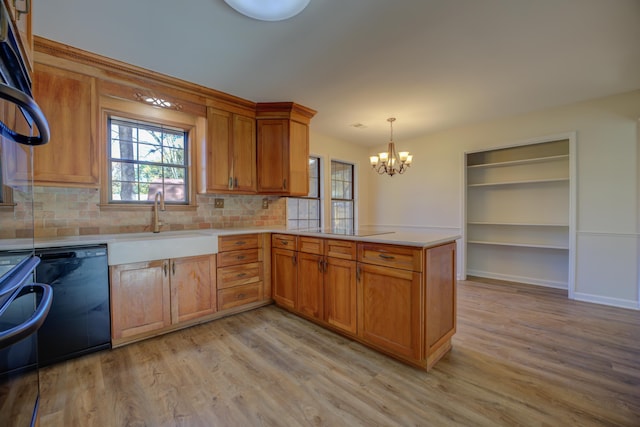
{"points": [[142, 207], [7, 207]]}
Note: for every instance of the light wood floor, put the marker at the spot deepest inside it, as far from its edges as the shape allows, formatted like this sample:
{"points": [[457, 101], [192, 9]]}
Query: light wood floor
{"points": [[522, 356]]}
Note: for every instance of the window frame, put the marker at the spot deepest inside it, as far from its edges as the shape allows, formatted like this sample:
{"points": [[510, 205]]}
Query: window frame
{"points": [[195, 130], [352, 200]]}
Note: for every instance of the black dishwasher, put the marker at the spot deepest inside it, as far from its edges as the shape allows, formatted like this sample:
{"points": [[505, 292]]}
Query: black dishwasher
{"points": [[79, 319]]}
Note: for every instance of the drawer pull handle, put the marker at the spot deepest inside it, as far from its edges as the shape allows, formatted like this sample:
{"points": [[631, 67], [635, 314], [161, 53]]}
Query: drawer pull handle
{"points": [[241, 275], [240, 296], [241, 242], [284, 242], [240, 257], [383, 256]]}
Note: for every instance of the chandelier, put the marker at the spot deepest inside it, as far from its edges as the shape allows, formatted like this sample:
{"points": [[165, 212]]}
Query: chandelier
{"points": [[391, 162]]}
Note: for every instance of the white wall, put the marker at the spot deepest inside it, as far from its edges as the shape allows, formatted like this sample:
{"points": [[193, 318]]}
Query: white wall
{"points": [[430, 194], [332, 149]]}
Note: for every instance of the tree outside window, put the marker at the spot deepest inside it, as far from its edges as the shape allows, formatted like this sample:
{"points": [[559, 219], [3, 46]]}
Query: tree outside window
{"points": [[145, 158]]}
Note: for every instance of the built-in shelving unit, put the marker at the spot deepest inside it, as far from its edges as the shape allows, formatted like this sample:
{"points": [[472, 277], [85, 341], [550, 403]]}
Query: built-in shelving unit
{"points": [[518, 213]]}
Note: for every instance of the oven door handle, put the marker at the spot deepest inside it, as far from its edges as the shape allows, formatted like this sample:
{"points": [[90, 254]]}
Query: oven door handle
{"points": [[29, 106], [15, 334]]}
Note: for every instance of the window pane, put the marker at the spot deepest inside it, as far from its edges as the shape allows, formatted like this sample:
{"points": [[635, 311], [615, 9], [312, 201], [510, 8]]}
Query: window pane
{"points": [[304, 212], [156, 160], [342, 205]]}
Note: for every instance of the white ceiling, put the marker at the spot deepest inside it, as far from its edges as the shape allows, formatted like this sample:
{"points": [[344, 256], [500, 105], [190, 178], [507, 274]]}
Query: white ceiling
{"points": [[433, 64]]}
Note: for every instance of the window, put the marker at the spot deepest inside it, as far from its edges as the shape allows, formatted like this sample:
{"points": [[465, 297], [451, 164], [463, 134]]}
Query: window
{"points": [[304, 212], [145, 158], [342, 210]]}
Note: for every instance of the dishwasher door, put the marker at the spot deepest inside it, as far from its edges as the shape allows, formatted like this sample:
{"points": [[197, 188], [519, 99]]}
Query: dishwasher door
{"points": [[79, 320]]}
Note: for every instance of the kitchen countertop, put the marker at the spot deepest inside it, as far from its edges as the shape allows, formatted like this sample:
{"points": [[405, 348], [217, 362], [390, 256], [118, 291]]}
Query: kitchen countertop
{"points": [[412, 237], [389, 235]]}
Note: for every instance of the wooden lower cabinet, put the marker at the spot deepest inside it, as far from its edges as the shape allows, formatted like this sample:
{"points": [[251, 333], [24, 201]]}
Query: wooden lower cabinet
{"points": [[193, 288], [241, 270], [389, 309], [140, 294], [340, 294], [147, 297], [310, 292], [284, 274], [397, 299]]}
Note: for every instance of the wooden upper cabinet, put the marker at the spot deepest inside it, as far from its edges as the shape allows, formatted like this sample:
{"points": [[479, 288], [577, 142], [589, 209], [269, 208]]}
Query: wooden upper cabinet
{"points": [[69, 101], [283, 148], [230, 154]]}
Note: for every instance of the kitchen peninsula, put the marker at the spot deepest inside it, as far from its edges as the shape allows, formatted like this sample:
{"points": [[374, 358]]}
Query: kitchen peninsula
{"points": [[392, 290]]}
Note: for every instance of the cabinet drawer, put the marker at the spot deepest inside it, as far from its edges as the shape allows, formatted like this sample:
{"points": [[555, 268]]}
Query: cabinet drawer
{"points": [[402, 257], [342, 249], [236, 275], [284, 241], [239, 257], [311, 245], [236, 242], [239, 295]]}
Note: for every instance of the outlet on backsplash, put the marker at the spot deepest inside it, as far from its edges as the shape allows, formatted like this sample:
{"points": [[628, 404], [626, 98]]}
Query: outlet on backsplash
{"points": [[265, 203], [218, 203]]}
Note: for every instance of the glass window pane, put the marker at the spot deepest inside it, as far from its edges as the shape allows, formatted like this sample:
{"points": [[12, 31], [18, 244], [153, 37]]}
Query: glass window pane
{"points": [[149, 150]]}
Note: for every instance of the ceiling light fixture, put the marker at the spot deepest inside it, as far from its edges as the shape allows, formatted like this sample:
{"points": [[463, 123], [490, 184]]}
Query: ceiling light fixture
{"points": [[268, 10], [391, 162]]}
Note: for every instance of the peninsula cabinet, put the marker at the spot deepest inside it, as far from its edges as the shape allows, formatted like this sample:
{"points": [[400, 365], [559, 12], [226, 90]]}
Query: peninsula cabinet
{"points": [[327, 282], [230, 153], [283, 148], [69, 102], [148, 298], [518, 213], [284, 270], [399, 300]]}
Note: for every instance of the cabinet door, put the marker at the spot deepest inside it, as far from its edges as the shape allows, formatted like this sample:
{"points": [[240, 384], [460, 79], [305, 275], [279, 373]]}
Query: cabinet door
{"points": [[139, 298], [244, 154], [298, 184], [389, 309], [193, 287], [284, 277], [310, 293], [68, 100], [340, 294], [218, 156], [273, 156]]}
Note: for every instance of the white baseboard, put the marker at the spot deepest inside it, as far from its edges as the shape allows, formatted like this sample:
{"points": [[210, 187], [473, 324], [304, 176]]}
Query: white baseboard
{"points": [[615, 302], [519, 279]]}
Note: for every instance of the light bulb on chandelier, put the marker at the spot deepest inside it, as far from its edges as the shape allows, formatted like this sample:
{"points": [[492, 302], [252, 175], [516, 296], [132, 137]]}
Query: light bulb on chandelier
{"points": [[391, 162]]}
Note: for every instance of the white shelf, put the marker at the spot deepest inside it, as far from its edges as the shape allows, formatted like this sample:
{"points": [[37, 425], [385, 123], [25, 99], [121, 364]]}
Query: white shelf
{"points": [[515, 224], [518, 245], [518, 204], [520, 162], [527, 182]]}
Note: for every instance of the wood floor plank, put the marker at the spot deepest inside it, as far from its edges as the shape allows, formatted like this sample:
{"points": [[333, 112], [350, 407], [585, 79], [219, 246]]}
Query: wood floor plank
{"points": [[522, 355]]}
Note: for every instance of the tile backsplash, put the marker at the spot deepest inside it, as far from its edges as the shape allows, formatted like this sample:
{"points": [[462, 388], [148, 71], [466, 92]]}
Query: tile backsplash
{"points": [[73, 212]]}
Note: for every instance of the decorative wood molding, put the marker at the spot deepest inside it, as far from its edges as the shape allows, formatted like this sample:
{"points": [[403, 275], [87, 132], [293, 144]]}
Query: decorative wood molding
{"points": [[121, 71], [284, 110]]}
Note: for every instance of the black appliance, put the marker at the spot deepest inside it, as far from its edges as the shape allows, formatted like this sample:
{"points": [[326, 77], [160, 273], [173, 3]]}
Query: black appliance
{"points": [[23, 304], [79, 319]]}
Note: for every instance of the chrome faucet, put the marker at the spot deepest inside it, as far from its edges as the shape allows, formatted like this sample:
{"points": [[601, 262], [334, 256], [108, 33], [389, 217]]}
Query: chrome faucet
{"points": [[158, 200]]}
